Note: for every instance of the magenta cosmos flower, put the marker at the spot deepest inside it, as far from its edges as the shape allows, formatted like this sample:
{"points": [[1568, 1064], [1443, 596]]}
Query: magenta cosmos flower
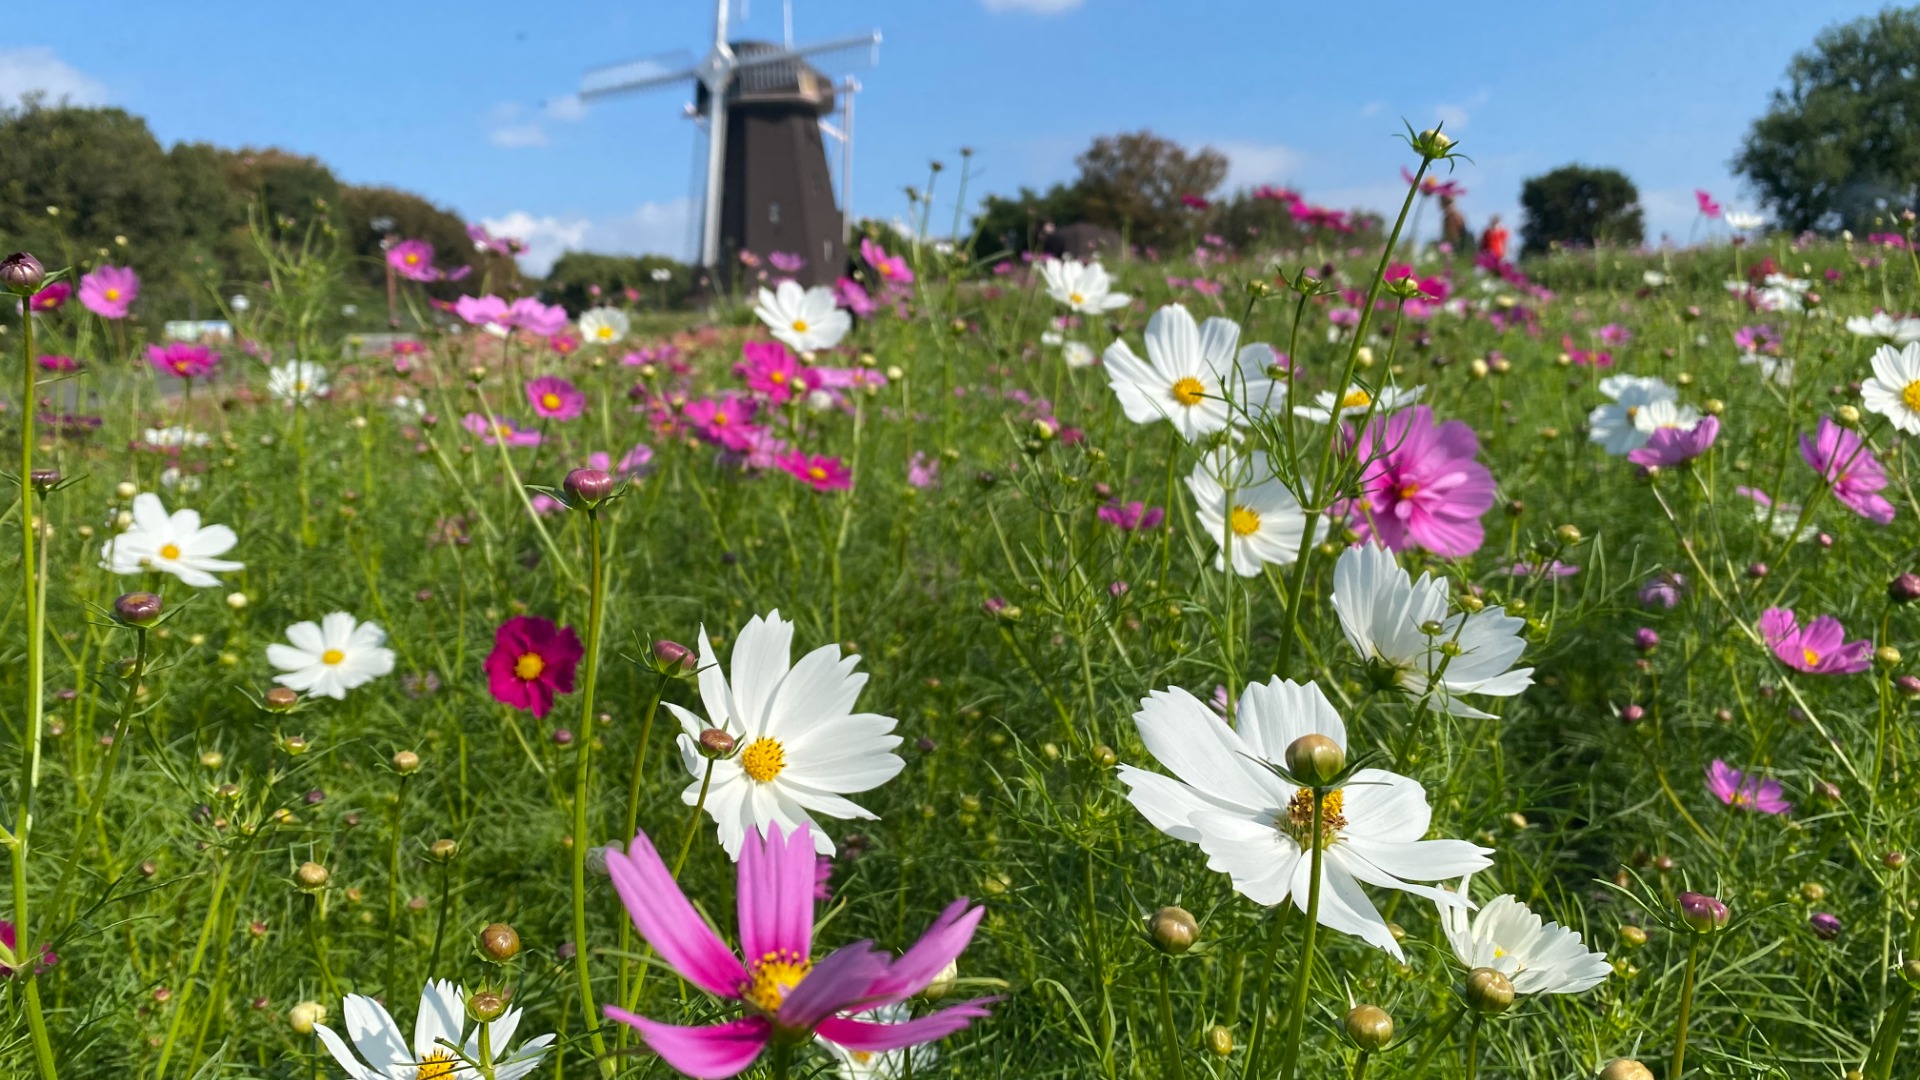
{"points": [[182, 360], [817, 471], [413, 260], [1743, 792], [51, 296], [109, 290], [788, 997], [556, 398], [1420, 485], [58, 364], [890, 269], [1844, 461], [1131, 517], [851, 295], [727, 420], [532, 660], [1670, 446], [770, 369], [501, 430], [11, 964], [1819, 649]]}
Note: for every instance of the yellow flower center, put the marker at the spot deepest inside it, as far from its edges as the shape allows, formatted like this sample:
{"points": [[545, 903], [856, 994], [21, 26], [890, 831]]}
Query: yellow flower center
{"points": [[529, 666], [763, 759], [774, 977], [1356, 399], [815, 472], [1910, 397], [169, 551], [719, 419], [1299, 820], [1633, 411], [438, 1065], [1076, 298], [1408, 491], [332, 657], [886, 269], [1244, 520], [412, 259], [113, 294], [860, 1057], [1189, 391], [604, 333], [300, 386], [1812, 658], [550, 400], [799, 326], [778, 377]]}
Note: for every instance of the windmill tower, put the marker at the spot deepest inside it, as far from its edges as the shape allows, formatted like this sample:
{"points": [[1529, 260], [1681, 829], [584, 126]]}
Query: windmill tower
{"points": [[767, 185]]}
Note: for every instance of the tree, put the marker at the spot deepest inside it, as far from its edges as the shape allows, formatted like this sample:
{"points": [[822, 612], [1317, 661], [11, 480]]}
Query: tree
{"points": [[1840, 144], [74, 182], [576, 274], [1578, 206], [1136, 183], [1010, 226]]}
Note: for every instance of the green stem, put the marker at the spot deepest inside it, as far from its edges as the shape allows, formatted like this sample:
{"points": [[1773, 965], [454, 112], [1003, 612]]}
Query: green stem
{"points": [[1886, 1040], [626, 837], [1686, 1010], [1297, 1013], [1360, 1066], [1436, 1042], [1473, 1048], [1256, 1042], [693, 822], [393, 888], [1175, 1068], [193, 968], [97, 800], [596, 592]]}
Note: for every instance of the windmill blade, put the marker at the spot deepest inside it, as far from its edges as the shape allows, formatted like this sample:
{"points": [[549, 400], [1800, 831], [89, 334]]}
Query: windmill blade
{"points": [[869, 40], [643, 74]]}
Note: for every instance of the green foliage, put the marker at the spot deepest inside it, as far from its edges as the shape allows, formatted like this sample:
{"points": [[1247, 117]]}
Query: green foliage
{"points": [[576, 273], [1579, 206], [1134, 183], [1838, 147], [1010, 225]]}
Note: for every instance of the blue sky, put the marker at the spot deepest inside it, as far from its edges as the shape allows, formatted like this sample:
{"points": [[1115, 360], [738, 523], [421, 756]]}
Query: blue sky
{"points": [[471, 104]]}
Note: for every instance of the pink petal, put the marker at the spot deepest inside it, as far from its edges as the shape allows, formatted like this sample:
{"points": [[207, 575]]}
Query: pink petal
{"points": [[776, 894], [860, 1035], [841, 982], [704, 1053], [663, 916], [939, 946]]}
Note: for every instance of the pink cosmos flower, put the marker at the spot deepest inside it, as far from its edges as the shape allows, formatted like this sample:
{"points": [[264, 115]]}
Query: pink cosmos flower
{"points": [[817, 471], [725, 420], [501, 430], [1743, 792], [10, 937], [1707, 205], [109, 291], [851, 295], [536, 318], [1131, 517], [182, 360], [923, 472], [759, 449], [788, 996], [1420, 485], [1663, 589], [1819, 649], [786, 262], [59, 364], [1614, 334], [564, 343], [891, 269], [1762, 338], [413, 260], [1194, 202], [532, 660], [771, 370], [1670, 446], [51, 296], [556, 398], [1844, 461], [482, 310], [1554, 569]]}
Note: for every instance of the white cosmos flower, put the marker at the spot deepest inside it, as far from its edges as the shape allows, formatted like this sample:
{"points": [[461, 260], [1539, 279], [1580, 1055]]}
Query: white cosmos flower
{"points": [[888, 1065], [1078, 354], [1356, 401], [1894, 390], [1614, 426], [1083, 287], [175, 436], [1258, 522], [332, 656], [1654, 279], [1257, 828], [1386, 614], [1538, 958], [1744, 220], [806, 320], [1774, 369], [174, 544], [1778, 292], [1189, 373], [436, 1051], [297, 381], [1885, 327], [604, 325], [1665, 414], [799, 746]]}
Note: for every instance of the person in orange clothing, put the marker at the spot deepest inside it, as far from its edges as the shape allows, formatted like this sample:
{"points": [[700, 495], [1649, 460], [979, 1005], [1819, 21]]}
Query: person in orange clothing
{"points": [[1493, 242]]}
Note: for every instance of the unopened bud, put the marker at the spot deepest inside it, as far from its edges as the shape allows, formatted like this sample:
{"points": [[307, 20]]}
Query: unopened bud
{"points": [[1219, 1040], [1625, 1069], [1632, 936], [716, 743], [311, 876], [302, 1017], [44, 480], [137, 609], [500, 942], [1173, 930], [280, 699], [1567, 534], [1703, 913], [1369, 1027], [1489, 992], [673, 657], [1315, 759], [443, 850], [1432, 143], [485, 1006], [942, 984], [589, 487], [406, 762], [1886, 656], [21, 273]]}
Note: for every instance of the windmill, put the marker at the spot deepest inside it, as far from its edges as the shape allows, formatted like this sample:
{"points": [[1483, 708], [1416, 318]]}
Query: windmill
{"points": [[767, 186]]}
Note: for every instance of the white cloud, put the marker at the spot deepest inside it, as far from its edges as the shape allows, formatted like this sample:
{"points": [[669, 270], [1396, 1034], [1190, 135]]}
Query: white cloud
{"points": [[652, 229], [516, 136], [1250, 164], [565, 107], [1036, 7], [514, 126], [1372, 109], [37, 69], [1454, 115]]}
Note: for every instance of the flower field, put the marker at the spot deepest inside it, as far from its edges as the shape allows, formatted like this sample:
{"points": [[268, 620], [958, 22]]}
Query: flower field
{"points": [[1345, 659]]}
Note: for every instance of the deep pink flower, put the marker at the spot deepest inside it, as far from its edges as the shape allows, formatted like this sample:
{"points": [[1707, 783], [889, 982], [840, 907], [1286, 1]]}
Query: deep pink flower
{"points": [[726, 420], [1194, 202], [787, 995], [1614, 334], [51, 296], [1762, 338], [923, 472], [1131, 517], [56, 363], [1554, 569], [1844, 461], [1670, 446], [1421, 485], [1743, 792], [817, 471], [501, 430], [1663, 589], [564, 343], [556, 398], [532, 660], [482, 310], [1819, 649], [1707, 205], [851, 295], [786, 262], [182, 360], [9, 937], [413, 260], [891, 269], [536, 318], [109, 290], [771, 370]]}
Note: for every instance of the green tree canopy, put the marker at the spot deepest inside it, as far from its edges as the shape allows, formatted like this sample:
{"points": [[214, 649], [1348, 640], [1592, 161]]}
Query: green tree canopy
{"points": [[1840, 143], [1579, 206]]}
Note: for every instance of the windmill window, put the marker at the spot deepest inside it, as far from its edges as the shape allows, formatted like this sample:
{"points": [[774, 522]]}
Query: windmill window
{"points": [[773, 213]]}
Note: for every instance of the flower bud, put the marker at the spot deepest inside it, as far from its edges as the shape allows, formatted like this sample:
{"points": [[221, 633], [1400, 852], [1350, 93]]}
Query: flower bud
{"points": [[302, 1017], [1173, 930], [942, 984], [485, 1006], [1219, 1040], [406, 762], [21, 273], [311, 876], [1105, 757], [1894, 860], [44, 480], [1703, 913], [237, 600], [1489, 992], [1646, 639], [1632, 714], [1632, 936], [280, 699], [589, 487], [1369, 1027], [1315, 759], [1567, 534], [1887, 656], [1825, 925], [500, 942], [716, 743], [1910, 972], [1904, 589], [137, 609], [1432, 143], [1847, 416], [673, 657], [443, 850], [1625, 1069]]}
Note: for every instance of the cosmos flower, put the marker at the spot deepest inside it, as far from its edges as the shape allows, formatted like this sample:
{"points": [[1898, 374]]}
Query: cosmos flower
{"points": [[801, 747], [1820, 648], [1386, 616], [1781, 518], [183, 360], [1744, 220], [501, 430], [888, 1065], [531, 662], [1258, 829], [891, 269], [555, 398], [1190, 372], [1357, 401], [786, 993], [436, 1052], [727, 419], [109, 291], [1705, 201], [817, 471], [807, 320], [1083, 287], [1420, 485], [51, 296], [413, 260], [853, 296], [604, 325], [174, 544], [786, 262], [1537, 957], [770, 369], [1662, 589], [923, 472], [1672, 444], [1888, 329], [1615, 426], [1777, 370], [1258, 522], [331, 657], [1894, 389], [1078, 354], [297, 381], [1744, 792], [59, 365], [1132, 516], [1844, 461]]}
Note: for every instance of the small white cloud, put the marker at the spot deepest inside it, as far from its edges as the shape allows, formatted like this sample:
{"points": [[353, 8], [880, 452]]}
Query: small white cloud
{"points": [[565, 107], [651, 229], [1035, 7], [516, 136], [1250, 164], [36, 69], [1454, 115], [1372, 109]]}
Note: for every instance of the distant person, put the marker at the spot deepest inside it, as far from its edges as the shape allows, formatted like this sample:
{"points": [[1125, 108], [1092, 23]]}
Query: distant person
{"points": [[1453, 225], [1493, 242]]}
